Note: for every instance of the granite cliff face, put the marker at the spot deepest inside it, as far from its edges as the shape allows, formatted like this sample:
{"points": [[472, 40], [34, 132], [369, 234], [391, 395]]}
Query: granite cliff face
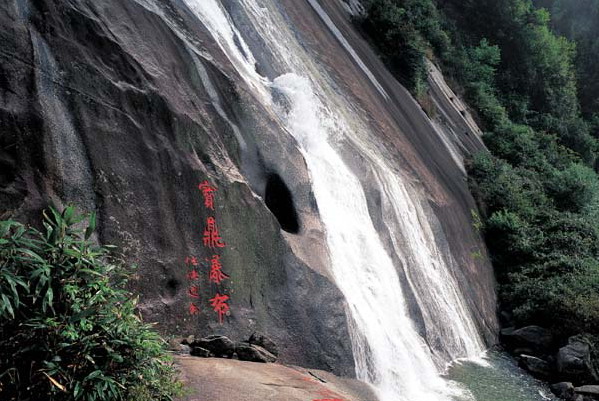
{"points": [[125, 106]]}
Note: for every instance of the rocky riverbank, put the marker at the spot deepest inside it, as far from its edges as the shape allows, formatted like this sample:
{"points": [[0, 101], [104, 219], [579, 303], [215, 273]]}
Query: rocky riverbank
{"points": [[567, 366]]}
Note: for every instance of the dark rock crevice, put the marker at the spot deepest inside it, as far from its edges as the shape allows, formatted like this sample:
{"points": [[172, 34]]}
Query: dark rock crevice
{"points": [[279, 201]]}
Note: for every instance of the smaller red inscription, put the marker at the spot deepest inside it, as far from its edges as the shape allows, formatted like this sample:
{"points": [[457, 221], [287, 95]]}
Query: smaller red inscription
{"points": [[193, 275], [191, 261], [194, 291], [193, 309]]}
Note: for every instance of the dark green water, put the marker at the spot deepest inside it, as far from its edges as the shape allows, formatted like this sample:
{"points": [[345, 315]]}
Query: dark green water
{"points": [[498, 379]]}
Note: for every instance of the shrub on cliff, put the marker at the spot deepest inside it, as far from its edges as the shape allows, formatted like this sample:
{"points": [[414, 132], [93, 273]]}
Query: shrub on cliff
{"points": [[403, 31], [68, 327]]}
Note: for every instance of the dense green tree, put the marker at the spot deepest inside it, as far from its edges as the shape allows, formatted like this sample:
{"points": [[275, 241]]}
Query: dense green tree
{"points": [[578, 21]]}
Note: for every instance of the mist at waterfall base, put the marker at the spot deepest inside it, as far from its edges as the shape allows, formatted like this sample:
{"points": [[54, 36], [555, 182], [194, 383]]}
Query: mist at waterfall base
{"points": [[390, 351]]}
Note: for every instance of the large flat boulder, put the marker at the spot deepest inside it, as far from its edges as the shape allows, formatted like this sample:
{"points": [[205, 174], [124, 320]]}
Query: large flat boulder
{"points": [[217, 379]]}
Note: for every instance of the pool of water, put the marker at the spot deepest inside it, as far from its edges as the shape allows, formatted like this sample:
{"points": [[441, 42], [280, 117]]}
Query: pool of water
{"points": [[497, 377]]}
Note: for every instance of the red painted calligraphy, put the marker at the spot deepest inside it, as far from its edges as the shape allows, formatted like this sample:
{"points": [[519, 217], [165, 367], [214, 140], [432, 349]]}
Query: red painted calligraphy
{"points": [[208, 193], [193, 309], [220, 306], [216, 273], [191, 261], [194, 291], [193, 275], [212, 239]]}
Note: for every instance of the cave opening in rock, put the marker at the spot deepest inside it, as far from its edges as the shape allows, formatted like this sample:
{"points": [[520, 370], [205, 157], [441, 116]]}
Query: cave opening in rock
{"points": [[279, 200]]}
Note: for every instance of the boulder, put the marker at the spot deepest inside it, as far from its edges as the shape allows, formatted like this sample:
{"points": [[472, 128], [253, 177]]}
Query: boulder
{"points": [[219, 346], [265, 342], [188, 340], [200, 352], [253, 353], [536, 366], [588, 391], [534, 339], [574, 362], [174, 344], [564, 390]]}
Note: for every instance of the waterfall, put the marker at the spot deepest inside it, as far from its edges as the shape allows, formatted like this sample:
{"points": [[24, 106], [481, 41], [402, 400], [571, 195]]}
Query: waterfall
{"points": [[389, 349]]}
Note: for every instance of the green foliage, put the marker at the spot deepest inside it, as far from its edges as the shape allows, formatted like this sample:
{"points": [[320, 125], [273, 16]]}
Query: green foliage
{"points": [[577, 20], [403, 31], [573, 189], [541, 230], [68, 327]]}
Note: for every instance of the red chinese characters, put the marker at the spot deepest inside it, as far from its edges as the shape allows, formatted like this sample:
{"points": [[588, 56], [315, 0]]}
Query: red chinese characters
{"points": [[220, 306], [193, 275], [194, 290], [191, 260], [212, 238], [193, 309], [216, 274], [208, 193], [213, 241]]}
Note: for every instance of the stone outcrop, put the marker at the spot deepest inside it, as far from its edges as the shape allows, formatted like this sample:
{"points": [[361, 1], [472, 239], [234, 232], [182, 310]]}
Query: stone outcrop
{"points": [[574, 362], [564, 390], [533, 340], [219, 346], [264, 342], [253, 353], [588, 391], [536, 366]]}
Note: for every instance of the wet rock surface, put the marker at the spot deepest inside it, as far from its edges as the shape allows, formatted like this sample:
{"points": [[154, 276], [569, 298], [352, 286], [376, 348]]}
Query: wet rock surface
{"points": [[259, 348], [536, 366]]}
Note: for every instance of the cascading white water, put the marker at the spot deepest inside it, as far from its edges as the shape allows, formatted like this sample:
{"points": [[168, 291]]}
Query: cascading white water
{"points": [[395, 359], [388, 350]]}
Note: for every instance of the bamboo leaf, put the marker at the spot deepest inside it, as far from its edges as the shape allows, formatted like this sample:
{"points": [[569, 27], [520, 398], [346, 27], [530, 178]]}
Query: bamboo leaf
{"points": [[54, 382]]}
